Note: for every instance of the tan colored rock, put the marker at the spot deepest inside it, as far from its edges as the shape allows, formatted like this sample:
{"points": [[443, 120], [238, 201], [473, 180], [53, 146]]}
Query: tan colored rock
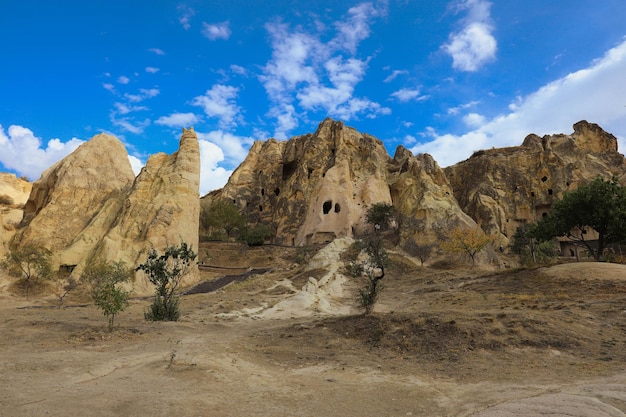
{"points": [[421, 193], [317, 187], [70, 194], [161, 209], [90, 205], [312, 188], [503, 188], [14, 193]]}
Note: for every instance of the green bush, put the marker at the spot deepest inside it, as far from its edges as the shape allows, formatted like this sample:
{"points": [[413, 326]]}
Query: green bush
{"points": [[104, 278], [166, 272], [257, 235]]}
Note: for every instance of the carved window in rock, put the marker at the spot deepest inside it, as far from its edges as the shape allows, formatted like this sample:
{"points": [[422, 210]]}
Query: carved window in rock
{"points": [[277, 191], [337, 208], [327, 206], [544, 179]]}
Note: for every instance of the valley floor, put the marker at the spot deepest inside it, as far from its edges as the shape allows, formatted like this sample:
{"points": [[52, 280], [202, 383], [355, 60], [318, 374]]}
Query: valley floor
{"points": [[440, 343]]}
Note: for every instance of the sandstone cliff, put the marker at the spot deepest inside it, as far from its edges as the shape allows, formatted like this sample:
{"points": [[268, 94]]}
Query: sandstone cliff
{"points": [[503, 188], [161, 209], [68, 195], [14, 193], [317, 187], [89, 204]]}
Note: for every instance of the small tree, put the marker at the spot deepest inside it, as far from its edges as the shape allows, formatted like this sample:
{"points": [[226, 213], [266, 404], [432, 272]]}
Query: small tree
{"points": [[599, 206], [420, 251], [222, 220], [63, 286], [528, 247], [104, 279], [378, 259], [470, 241], [166, 272], [30, 263], [380, 214]]}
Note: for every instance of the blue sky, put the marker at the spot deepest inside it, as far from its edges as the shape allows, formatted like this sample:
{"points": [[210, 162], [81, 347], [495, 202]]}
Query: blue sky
{"points": [[442, 77]]}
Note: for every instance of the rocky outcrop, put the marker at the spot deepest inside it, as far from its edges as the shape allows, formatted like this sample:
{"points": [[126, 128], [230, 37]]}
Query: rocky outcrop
{"points": [[70, 194], [422, 195], [503, 188], [89, 204], [14, 193], [317, 187], [161, 209]]}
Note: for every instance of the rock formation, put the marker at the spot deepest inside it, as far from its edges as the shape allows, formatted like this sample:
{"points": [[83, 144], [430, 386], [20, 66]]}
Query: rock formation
{"points": [[14, 193], [89, 204], [70, 194], [317, 187], [161, 209], [503, 188]]}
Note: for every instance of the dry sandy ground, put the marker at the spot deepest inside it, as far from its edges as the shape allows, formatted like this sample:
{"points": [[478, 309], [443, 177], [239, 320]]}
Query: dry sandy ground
{"points": [[547, 342]]}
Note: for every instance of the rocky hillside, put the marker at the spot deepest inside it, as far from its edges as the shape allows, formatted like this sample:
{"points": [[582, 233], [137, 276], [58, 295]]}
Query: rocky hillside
{"points": [[503, 188], [310, 189], [317, 187]]}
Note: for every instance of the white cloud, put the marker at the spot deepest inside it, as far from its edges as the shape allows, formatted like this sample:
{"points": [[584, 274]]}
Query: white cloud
{"points": [[220, 150], [129, 124], [152, 70], [474, 120], [457, 109], [408, 94], [212, 176], [237, 69], [144, 93], [122, 108], [316, 75], [122, 79], [394, 74], [135, 164], [354, 29], [595, 94], [156, 51], [109, 87], [219, 102], [178, 120], [475, 44], [234, 148], [24, 153], [185, 14], [216, 30]]}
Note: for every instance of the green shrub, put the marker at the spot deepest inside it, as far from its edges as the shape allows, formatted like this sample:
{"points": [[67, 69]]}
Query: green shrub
{"points": [[166, 272]]}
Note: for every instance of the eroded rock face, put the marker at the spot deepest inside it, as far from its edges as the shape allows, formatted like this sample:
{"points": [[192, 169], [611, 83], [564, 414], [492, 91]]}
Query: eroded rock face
{"points": [[90, 204], [162, 208], [503, 188], [317, 187], [14, 193], [422, 194], [68, 195]]}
